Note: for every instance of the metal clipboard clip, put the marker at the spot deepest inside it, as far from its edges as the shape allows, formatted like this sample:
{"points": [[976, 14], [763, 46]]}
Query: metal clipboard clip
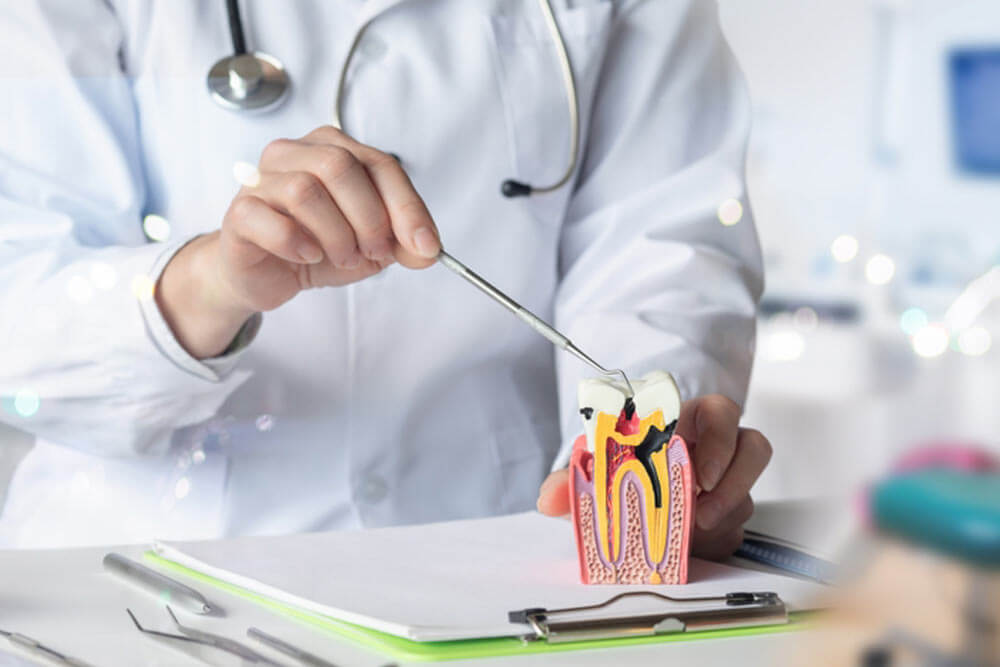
{"points": [[735, 610]]}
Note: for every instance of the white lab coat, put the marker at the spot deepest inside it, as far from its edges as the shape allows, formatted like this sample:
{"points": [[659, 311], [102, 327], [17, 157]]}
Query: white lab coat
{"points": [[408, 397]]}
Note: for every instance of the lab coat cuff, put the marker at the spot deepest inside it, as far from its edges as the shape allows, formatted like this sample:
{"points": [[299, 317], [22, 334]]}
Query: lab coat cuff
{"points": [[215, 369]]}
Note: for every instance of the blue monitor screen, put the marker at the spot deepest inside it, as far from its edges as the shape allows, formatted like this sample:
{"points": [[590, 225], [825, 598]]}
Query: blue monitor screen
{"points": [[975, 92]]}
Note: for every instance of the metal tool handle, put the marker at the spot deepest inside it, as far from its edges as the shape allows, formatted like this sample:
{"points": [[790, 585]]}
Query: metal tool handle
{"points": [[160, 586], [284, 647], [40, 649], [535, 322]]}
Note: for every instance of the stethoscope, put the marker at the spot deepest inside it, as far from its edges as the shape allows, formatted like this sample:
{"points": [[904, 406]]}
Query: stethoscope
{"points": [[255, 82]]}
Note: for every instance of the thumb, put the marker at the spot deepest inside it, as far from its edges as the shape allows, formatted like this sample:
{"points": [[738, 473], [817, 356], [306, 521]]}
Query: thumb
{"points": [[553, 497]]}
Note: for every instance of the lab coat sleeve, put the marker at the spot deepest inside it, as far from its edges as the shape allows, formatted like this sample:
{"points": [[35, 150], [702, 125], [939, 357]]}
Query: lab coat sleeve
{"points": [[650, 278], [86, 359]]}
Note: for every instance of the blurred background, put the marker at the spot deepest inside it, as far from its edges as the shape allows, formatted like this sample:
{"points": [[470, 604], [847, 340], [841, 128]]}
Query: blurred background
{"points": [[874, 172]]}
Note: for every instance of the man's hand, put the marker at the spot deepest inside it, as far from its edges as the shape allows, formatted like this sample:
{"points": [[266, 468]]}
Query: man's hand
{"points": [[727, 461], [327, 211]]}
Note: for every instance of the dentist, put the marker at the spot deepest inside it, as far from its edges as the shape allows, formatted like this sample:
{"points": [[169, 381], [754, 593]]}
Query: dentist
{"points": [[144, 230]]}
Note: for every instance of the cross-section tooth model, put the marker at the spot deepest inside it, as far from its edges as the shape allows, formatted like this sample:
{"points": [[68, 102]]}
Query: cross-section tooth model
{"points": [[631, 486]]}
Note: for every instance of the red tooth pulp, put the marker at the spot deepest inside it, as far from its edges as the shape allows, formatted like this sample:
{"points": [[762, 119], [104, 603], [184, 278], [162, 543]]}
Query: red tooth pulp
{"points": [[627, 426]]}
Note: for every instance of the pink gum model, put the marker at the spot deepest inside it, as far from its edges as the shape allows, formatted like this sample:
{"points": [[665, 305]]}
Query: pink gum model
{"points": [[633, 564]]}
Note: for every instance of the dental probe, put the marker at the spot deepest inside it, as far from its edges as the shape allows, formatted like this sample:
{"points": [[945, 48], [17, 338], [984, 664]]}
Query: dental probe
{"points": [[536, 323]]}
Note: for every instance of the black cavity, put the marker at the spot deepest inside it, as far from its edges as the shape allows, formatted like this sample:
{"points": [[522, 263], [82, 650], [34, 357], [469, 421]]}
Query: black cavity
{"points": [[653, 442], [629, 408], [587, 412]]}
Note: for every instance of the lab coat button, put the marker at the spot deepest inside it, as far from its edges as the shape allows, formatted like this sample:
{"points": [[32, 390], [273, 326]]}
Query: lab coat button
{"points": [[373, 489]]}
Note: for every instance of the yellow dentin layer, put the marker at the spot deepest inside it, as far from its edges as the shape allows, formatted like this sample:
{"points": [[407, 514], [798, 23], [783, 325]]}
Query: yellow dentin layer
{"points": [[656, 517]]}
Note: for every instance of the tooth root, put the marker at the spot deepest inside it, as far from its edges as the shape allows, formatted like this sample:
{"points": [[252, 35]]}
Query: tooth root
{"points": [[632, 502]]}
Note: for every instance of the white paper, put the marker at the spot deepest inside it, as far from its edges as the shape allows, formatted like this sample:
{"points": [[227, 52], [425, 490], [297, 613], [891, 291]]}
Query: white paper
{"points": [[443, 581]]}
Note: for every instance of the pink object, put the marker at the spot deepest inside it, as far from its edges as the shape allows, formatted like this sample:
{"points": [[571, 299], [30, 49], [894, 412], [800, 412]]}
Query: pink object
{"points": [[949, 456], [641, 554]]}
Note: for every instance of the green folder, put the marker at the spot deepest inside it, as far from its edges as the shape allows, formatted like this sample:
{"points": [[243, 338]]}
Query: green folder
{"points": [[408, 650]]}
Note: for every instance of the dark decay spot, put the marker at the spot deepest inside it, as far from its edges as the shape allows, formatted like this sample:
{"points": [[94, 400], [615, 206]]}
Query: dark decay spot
{"points": [[629, 408], [587, 412], [653, 442]]}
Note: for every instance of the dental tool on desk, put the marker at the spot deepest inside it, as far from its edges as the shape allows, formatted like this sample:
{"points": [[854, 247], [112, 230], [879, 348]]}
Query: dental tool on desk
{"points": [[285, 648], [158, 585], [535, 322], [195, 636], [39, 650]]}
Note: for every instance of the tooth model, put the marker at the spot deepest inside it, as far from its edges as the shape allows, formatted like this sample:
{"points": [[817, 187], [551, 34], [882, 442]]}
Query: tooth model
{"points": [[631, 486]]}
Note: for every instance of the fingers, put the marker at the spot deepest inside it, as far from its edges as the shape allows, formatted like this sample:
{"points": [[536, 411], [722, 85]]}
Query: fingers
{"points": [[371, 188], [304, 197], [753, 452], [710, 424], [418, 242], [553, 496], [346, 183], [721, 541], [253, 221]]}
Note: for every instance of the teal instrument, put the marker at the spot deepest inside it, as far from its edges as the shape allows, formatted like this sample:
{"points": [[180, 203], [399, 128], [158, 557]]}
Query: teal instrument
{"points": [[952, 512]]}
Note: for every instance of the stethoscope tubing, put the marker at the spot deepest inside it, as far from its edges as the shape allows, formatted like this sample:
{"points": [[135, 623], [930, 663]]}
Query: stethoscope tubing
{"points": [[235, 98]]}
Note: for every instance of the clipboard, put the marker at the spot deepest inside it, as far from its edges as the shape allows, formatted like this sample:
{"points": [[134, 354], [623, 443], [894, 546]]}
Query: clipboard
{"points": [[408, 650], [447, 591]]}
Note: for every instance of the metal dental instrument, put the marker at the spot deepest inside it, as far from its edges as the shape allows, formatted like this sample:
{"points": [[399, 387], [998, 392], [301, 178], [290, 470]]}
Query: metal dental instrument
{"points": [[160, 586], [194, 636], [36, 648], [284, 647], [536, 323]]}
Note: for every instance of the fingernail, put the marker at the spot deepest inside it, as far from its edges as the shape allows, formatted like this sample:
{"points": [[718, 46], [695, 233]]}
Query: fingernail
{"points": [[426, 243], [310, 253], [709, 476], [380, 251], [708, 514]]}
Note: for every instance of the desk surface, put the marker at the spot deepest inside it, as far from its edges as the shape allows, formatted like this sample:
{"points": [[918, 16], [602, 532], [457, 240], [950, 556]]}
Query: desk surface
{"points": [[64, 599]]}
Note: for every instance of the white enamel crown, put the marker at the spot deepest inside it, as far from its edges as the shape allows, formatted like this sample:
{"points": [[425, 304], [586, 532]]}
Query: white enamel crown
{"points": [[655, 391]]}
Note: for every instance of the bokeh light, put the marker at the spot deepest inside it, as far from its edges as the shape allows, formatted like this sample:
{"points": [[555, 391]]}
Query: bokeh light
{"points": [[27, 403], [265, 423], [143, 287], [912, 320], [931, 341], [880, 269], [156, 227], [844, 248], [246, 174], [975, 342], [182, 488], [783, 346], [730, 212], [805, 318]]}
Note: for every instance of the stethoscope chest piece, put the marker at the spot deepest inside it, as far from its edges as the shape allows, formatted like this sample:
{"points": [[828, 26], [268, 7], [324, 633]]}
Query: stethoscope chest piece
{"points": [[248, 82]]}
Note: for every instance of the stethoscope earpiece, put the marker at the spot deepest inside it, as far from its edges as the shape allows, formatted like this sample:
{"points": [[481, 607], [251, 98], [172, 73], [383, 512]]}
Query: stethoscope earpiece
{"points": [[511, 188], [257, 82]]}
